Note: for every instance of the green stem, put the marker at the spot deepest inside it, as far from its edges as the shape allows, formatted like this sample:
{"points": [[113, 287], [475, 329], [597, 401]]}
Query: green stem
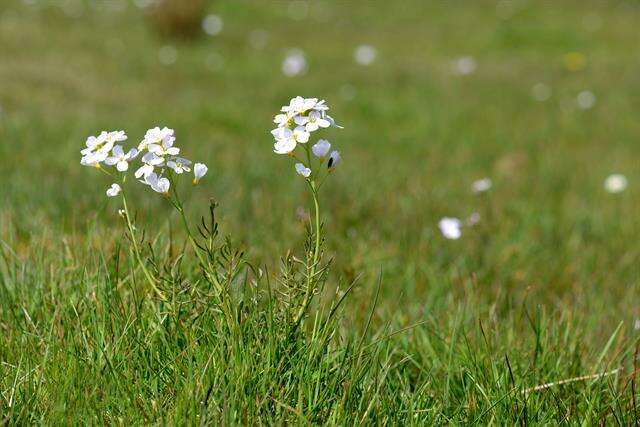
{"points": [[316, 254], [177, 204], [136, 250]]}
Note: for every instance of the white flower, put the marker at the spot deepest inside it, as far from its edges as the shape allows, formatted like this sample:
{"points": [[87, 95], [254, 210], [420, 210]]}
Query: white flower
{"points": [[281, 120], [315, 121], [284, 146], [365, 54], [481, 185], [98, 147], [541, 92], [615, 183], [144, 170], [450, 228], [179, 165], [212, 25], [464, 65], [114, 190], [150, 161], [586, 99], [303, 170], [120, 158], [158, 184], [301, 135], [334, 159], [285, 141], [321, 148], [295, 63], [199, 170], [156, 136]]}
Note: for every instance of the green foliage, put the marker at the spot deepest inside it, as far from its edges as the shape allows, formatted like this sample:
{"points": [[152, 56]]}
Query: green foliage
{"points": [[544, 289]]}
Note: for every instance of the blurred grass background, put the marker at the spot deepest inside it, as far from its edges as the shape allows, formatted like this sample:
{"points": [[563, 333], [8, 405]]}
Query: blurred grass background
{"points": [[417, 134]]}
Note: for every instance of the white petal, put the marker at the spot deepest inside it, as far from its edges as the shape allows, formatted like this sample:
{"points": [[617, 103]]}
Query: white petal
{"points": [[114, 190], [303, 170], [122, 166], [111, 161], [321, 148], [284, 146], [118, 151], [199, 170]]}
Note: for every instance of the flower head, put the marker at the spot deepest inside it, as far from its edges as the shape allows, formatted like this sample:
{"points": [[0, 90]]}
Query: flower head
{"points": [[98, 147], [114, 190]]}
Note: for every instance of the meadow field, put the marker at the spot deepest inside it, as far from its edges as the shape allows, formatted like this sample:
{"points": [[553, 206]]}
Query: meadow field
{"points": [[530, 317]]}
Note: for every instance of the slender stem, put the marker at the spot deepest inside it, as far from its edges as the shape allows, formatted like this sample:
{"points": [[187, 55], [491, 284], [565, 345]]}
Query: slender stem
{"points": [[316, 254], [136, 250], [177, 203]]}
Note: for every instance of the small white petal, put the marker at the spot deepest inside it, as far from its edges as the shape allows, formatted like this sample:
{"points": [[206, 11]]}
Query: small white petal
{"points": [[321, 148], [118, 151], [114, 190], [110, 161], [303, 170], [199, 170], [122, 166]]}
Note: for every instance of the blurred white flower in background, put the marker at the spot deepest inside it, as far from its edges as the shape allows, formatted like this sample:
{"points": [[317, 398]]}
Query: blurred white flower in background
{"points": [[321, 148], [481, 185], [615, 183], [303, 170], [540, 92], [212, 25], [114, 190], [294, 63], [450, 228], [167, 55], [464, 65], [586, 99], [365, 54]]}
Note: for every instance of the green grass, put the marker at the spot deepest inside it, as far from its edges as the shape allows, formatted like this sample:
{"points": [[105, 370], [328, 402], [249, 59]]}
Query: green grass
{"points": [[434, 331]]}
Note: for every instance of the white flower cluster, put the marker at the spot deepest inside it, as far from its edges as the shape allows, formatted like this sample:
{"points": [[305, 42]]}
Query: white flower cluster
{"points": [[296, 122], [160, 155]]}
